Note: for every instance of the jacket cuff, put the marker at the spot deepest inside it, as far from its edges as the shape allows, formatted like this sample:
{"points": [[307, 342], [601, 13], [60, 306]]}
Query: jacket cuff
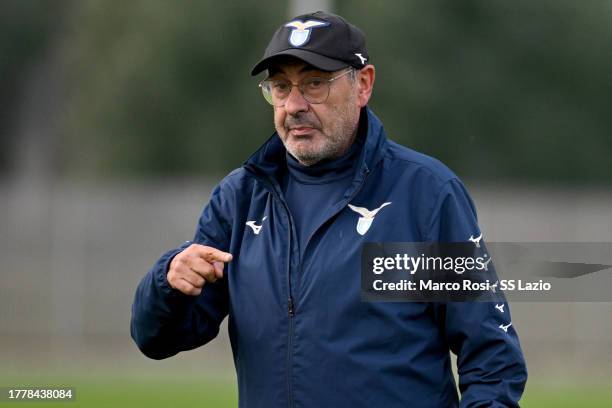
{"points": [[161, 275]]}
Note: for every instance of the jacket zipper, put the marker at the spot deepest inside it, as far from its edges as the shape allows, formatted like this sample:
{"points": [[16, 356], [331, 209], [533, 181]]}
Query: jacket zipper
{"points": [[290, 311], [290, 307], [290, 303]]}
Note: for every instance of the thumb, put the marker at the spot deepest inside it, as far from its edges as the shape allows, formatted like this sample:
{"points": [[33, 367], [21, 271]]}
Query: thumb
{"points": [[218, 269]]}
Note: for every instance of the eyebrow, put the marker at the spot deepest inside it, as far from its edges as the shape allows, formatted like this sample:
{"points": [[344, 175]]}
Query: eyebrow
{"points": [[276, 70]]}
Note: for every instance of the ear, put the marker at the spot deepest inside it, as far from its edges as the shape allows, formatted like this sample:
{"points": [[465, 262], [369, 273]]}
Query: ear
{"points": [[365, 84]]}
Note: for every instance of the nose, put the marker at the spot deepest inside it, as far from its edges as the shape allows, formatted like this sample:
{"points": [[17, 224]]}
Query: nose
{"points": [[295, 102]]}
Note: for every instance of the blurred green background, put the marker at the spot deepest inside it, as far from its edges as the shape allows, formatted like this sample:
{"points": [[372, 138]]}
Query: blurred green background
{"points": [[117, 118], [497, 90]]}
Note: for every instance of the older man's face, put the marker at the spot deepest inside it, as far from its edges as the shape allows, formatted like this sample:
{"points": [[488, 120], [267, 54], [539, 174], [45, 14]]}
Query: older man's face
{"points": [[313, 132]]}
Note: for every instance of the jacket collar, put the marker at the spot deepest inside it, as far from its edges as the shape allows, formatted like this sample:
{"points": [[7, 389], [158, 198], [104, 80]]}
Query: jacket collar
{"points": [[270, 160]]}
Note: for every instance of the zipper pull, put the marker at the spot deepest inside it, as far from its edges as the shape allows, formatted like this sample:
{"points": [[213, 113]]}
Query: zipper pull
{"points": [[290, 307]]}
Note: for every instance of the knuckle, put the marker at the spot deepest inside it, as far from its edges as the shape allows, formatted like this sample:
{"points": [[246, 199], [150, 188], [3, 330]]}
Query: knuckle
{"points": [[201, 267], [181, 286], [189, 289], [179, 261], [210, 251], [176, 271], [192, 251], [210, 277], [199, 281], [198, 247]]}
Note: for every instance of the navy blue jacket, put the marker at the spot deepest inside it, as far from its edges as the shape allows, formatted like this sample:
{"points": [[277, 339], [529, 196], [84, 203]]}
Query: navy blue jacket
{"points": [[301, 336]]}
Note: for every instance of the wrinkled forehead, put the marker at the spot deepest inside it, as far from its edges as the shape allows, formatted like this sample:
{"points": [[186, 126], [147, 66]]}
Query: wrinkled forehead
{"points": [[286, 64]]}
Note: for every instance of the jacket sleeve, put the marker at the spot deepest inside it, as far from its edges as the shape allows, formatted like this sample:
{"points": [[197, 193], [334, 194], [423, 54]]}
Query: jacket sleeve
{"points": [[490, 363], [166, 321]]}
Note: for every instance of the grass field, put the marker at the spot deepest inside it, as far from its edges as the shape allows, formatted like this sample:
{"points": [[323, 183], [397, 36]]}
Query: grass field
{"points": [[173, 392]]}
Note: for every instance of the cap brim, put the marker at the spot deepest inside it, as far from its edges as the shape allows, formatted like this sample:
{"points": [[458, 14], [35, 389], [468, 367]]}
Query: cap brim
{"points": [[316, 60]]}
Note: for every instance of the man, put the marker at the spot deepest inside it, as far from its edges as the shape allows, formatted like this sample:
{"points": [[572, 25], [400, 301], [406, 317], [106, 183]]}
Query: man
{"points": [[278, 248]]}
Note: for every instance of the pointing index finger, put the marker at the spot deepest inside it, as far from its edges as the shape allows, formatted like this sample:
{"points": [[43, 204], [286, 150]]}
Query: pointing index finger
{"points": [[211, 254]]}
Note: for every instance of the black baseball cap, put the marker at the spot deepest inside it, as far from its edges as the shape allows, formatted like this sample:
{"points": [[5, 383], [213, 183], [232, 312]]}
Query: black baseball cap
{"points": [[324, 40]]}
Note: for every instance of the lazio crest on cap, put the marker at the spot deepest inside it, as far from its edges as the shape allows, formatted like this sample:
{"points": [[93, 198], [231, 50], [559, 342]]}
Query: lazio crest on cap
{"points": [[300, 33]]}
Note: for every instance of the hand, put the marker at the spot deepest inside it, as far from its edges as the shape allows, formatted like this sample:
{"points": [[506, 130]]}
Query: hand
{"points": [[196, 265]]}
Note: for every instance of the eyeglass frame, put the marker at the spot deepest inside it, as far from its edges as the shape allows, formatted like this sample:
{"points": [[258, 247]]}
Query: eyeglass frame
{"points": [[329, 81]]}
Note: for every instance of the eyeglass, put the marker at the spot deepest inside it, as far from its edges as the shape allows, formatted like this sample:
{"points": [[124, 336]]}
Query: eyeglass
{"points": [[313, 89]]}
